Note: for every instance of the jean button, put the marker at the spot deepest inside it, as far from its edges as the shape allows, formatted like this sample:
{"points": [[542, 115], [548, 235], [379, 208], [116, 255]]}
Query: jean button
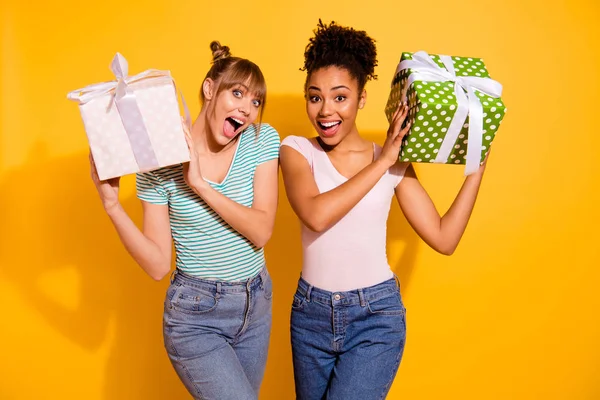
{"points": [[336, 296]]}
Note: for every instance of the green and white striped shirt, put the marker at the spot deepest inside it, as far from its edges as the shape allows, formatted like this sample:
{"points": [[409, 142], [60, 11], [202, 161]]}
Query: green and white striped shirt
{"points": [[205, 245]]}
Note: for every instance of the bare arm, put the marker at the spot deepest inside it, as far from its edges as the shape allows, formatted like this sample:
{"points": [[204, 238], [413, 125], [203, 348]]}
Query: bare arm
{"points": [[256, 222], [319, 211], [441, 233], [151, 249]]}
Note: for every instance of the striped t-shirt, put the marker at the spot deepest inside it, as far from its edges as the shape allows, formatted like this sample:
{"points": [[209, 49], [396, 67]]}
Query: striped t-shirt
{"points": [[205, 245]]}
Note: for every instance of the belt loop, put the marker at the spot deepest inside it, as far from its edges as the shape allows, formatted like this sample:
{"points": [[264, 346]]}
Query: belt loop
{"points": [[218, 290], [361, 296], [308, 292], [397, 280], [172, 277]]}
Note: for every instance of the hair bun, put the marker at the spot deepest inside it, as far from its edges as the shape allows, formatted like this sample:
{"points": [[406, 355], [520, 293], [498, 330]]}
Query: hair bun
{"points": [[219, 52]]}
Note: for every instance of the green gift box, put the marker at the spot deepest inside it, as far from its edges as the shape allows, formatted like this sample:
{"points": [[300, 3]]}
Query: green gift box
{"points": [[454, 107]]}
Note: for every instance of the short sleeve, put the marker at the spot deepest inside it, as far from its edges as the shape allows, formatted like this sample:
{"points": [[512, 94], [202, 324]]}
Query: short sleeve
{"points": [[268, 144], [149, 188], [397, 171], [302, 145]]}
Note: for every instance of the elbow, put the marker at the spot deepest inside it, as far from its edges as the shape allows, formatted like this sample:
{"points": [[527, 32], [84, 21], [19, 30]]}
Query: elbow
{"points": [[446, 249], [316, 224], [446, 252], [159, 273], [262, 238], [315, 227], [158, 276]]}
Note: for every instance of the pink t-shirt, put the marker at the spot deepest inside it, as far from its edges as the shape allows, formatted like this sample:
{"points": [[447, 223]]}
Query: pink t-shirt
{"points": [[352, 253]]}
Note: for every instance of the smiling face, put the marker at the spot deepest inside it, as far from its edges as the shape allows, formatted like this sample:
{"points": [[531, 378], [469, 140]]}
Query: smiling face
{"points": [[232, 110], [332, 102]]}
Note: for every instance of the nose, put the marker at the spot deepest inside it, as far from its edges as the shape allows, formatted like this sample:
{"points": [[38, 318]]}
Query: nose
{"points": [[326, 108], [244, 107]]}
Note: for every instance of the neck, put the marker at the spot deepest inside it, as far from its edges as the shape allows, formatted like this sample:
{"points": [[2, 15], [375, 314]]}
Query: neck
{"points": [[204, 139]]}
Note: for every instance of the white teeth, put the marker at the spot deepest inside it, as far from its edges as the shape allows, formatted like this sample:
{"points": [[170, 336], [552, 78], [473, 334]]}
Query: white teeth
{"points": [[238, 121], [329, 124]]}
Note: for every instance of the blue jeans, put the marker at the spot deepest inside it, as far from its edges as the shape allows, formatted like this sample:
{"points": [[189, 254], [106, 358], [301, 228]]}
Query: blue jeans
{"points": [[217, 334], [347, 345]]}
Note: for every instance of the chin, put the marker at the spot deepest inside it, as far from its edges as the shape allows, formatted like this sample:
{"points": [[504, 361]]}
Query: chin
{"points": [[330, 140]]}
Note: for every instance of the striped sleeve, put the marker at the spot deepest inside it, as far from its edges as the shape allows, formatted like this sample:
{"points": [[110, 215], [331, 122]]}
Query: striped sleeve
{"points": [[269, 144], [150, 189]]}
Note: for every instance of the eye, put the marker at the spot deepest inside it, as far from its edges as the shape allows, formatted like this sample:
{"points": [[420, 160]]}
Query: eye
{"points": [[237, 93], [314, 99], [340, 98], [256, 103]]}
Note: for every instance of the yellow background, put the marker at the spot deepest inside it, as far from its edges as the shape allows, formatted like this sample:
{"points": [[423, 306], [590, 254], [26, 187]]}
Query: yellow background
{"points": [[513, 314]]}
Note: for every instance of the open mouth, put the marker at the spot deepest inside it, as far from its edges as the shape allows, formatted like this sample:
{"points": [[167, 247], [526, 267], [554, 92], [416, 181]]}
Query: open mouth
{"points": [[235, 122], [232, 126], [329, 128]]}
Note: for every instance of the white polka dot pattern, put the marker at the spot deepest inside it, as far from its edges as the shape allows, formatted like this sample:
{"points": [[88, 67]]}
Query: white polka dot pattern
{"points": [[431, 108], [111, 147]]}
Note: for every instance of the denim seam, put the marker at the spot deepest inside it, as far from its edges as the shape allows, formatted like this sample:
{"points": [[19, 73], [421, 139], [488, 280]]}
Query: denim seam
{"points": [[189, 376], [247, 315], [387, 387]]}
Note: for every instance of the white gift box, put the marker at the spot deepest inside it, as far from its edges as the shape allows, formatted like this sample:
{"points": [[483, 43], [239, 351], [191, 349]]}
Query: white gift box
{"points": [[133, 124]]}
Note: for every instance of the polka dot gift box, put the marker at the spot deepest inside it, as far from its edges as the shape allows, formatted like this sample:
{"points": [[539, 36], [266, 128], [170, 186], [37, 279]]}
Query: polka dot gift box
{"points": [[454, 106], [133, 124]]}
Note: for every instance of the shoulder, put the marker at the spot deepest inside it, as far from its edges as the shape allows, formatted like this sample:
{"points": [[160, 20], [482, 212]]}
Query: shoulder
{"points": [[297, 142], [264, 133], [398, 171]]}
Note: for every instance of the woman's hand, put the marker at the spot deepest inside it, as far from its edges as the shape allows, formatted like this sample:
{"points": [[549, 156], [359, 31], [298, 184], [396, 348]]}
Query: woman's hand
{"points": [[395, 135], [191, 170], [107, 189]]}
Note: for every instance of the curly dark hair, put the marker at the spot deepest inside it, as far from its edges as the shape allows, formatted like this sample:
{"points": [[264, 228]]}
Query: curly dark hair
{"points": [[343, 47]]}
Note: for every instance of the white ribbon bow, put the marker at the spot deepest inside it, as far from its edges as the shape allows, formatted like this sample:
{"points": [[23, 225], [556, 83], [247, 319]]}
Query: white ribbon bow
{"points": [[125, 101], [423, 68]]}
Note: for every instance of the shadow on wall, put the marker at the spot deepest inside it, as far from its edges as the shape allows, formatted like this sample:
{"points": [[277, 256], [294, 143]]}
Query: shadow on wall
{"points": [[52, 205]]}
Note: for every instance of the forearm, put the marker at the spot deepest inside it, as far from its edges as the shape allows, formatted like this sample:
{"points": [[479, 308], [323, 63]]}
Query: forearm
{"points": [[326, 209], [455, 220], [143, 250], [255, 225]]}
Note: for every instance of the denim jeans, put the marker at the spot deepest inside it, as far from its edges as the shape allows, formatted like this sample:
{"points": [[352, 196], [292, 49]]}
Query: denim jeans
{"points": [[217, 334], [347, 345]]}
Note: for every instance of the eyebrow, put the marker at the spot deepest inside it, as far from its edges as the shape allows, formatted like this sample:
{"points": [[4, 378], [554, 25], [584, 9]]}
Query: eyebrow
{"points": [[333, 88]]}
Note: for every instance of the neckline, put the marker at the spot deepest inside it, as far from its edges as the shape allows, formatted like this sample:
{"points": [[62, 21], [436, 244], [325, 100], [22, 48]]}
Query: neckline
{"points": [[233, 159], [331, 162]]}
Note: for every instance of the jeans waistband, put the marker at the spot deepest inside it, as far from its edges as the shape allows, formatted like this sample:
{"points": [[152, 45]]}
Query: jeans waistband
{"points": [[216, 286], [351, 297]]}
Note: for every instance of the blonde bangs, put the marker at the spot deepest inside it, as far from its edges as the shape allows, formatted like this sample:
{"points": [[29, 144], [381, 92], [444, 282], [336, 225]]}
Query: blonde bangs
{"points": [[245, 73]]}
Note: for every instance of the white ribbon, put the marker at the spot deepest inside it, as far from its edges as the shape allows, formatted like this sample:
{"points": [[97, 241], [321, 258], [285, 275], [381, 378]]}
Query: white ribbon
{"points": [[423, 68], [125, 101]]}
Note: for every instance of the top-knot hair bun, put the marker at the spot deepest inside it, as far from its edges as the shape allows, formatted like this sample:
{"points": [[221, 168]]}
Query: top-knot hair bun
{"points": [[344, 47], [219, 52]]}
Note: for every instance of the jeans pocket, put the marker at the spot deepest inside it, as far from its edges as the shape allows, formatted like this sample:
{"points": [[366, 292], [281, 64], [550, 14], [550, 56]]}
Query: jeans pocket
{"points": [[191, 300], [299, 301], [390, 304]]}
